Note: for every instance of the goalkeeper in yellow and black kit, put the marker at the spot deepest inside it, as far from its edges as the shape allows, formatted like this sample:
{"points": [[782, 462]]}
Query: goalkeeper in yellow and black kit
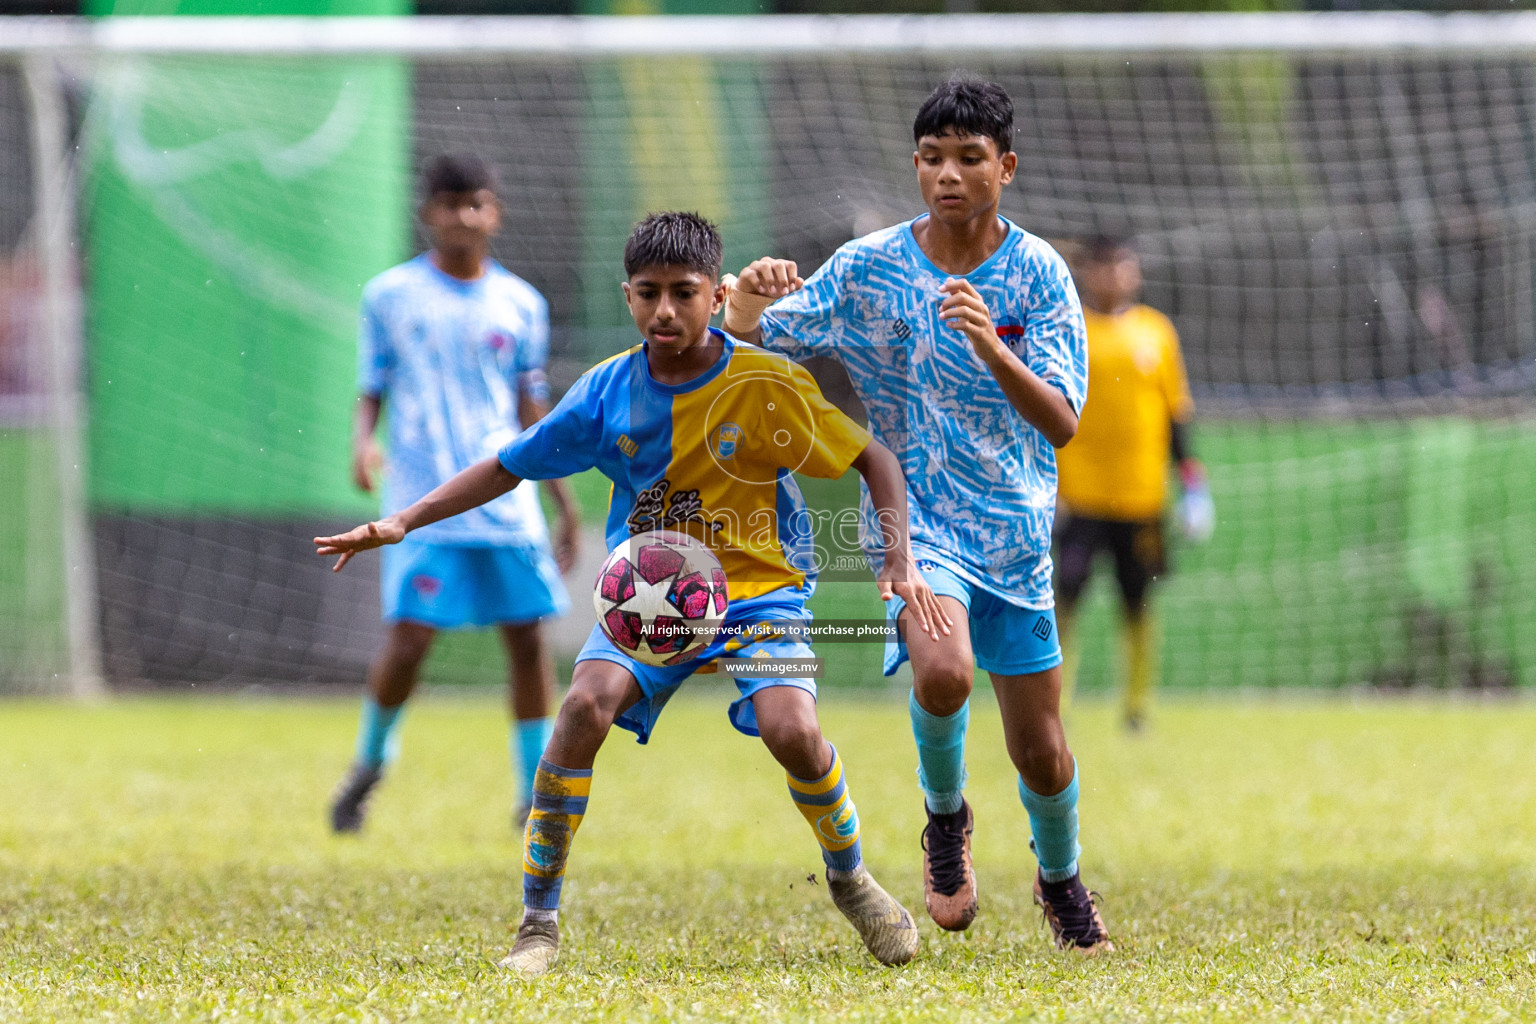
{"points": [[1113, 485]]}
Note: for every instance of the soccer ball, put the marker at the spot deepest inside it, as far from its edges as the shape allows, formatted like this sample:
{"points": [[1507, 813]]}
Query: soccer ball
{"points": [[661, 597]]}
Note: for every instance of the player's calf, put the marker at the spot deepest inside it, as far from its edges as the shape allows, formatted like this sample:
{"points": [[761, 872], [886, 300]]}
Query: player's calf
{"points": [[377, 740], [559, 805], [787, 723], [390, 681], [1059, 891], [599, 691], [886, 927], [949, 880]]}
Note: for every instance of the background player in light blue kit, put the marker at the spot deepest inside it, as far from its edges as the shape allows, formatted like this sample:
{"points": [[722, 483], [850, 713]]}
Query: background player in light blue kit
{"points": [[964, 338], [456, 346]]}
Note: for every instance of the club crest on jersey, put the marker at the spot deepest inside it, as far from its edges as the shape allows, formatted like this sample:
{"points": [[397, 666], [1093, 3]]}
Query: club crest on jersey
{"points": [[499, 340], [1009, 330], [726, 438]]}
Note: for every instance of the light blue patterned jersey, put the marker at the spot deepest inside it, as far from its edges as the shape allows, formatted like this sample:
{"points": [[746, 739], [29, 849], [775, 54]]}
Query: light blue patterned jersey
{"points": [[448, 357], [981, 482]]}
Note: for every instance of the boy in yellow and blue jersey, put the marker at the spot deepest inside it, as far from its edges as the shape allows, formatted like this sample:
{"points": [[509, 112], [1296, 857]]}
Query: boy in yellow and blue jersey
{"points": [[700, 434]]}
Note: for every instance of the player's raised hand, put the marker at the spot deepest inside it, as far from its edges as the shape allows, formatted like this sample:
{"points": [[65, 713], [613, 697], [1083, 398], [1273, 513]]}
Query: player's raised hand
{"points": [[367, 460], [770, 278], [964, 310], [359, 538], [759, 285]]}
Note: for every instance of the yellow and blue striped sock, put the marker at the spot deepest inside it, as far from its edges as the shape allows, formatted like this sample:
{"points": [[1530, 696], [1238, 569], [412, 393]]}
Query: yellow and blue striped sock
{"points": [[825, 803], [559, 804]]}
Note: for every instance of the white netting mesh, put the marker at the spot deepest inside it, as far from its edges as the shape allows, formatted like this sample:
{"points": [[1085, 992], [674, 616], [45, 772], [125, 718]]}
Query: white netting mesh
{"points": [[1343, 239]]}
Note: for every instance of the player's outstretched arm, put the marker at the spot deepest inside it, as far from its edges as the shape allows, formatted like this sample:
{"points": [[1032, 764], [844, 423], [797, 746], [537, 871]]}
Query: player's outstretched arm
{"points": [[472, 488], [760, 284], [899, 575], [1042, 406]]}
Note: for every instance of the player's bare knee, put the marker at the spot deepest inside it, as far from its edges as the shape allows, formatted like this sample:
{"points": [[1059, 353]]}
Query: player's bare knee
{"points": [[796, 743], [1044, 765], [943, 687], [586, 713]]}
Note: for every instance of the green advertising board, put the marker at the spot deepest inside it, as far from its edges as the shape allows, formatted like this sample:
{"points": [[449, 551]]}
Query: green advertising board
{"points": [[237, 207]]}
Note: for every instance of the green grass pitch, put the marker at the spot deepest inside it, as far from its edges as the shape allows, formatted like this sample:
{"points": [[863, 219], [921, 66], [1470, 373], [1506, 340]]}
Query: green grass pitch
{"points": [[1272, 861]]}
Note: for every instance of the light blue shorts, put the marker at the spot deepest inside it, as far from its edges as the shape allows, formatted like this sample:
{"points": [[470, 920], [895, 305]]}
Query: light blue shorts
{"points": [[1005, 638], [454, 586], [659, 683]]}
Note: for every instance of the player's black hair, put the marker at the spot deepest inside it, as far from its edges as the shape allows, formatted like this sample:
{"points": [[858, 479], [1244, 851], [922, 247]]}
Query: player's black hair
{"points": [[674, 239], [1105, 247], [963, 106], [456, 172]]}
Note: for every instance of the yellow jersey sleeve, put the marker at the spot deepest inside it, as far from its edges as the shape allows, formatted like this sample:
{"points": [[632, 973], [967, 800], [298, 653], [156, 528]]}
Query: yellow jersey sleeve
{"points": [[835, 439]]}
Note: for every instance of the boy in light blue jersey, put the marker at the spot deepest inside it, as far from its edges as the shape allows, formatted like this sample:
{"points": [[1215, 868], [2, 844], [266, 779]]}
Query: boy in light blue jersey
{"points": [[964, 338], [456, 345]]}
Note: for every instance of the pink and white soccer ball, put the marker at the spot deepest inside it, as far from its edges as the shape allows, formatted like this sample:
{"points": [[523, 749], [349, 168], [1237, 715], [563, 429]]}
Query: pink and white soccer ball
{"points": [[661, 597]]}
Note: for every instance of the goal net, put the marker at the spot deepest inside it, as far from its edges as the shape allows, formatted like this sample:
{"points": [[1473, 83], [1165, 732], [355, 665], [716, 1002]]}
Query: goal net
{"points": [[1336, 211]]}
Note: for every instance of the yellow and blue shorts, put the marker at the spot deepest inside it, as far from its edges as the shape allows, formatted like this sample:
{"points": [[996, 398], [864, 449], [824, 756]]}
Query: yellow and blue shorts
{"points": [[772, 625]]}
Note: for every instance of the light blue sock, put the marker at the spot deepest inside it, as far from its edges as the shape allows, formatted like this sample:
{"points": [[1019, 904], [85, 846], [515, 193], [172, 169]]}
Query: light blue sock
{"points": [[940, 754], [529, 738], [1053, 821], [377, 742]]}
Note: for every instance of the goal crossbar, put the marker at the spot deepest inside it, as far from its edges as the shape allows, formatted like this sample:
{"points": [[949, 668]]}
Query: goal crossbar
{"points": [[758, 36]]}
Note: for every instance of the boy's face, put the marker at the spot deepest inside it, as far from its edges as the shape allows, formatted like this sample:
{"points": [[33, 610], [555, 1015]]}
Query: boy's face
{"points": [[1114, 282], [962, 177], [672, 305], [461, 222]]}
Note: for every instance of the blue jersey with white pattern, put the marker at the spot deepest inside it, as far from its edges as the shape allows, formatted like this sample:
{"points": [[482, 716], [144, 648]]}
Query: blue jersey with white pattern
{"points": [[448, 358], [981, 481]]}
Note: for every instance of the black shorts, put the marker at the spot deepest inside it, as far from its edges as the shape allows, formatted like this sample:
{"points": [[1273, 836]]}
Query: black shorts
{"points": [[1136, 546]]}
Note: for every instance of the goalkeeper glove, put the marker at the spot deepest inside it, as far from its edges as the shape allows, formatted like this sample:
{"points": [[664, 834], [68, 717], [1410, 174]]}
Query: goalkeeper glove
{"points": [[1197, 512]]}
